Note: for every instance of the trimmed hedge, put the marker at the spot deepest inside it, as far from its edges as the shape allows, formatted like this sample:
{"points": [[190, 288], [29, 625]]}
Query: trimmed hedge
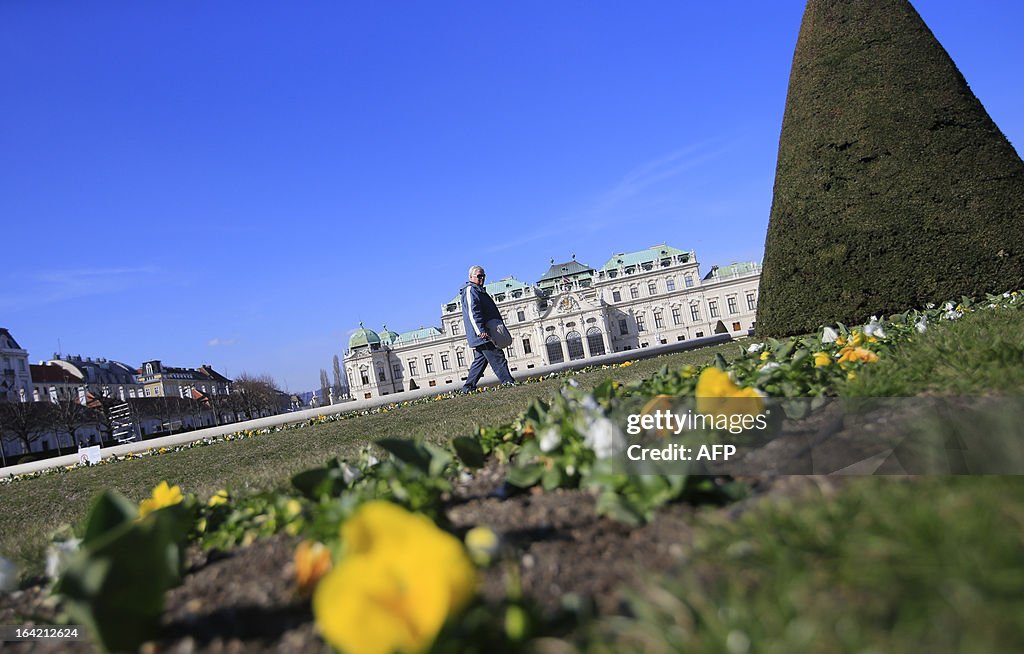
{"points": [[893, 187]]}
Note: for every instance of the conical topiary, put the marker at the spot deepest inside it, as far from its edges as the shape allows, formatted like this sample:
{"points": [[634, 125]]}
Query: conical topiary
{"points": [[893, 188]]}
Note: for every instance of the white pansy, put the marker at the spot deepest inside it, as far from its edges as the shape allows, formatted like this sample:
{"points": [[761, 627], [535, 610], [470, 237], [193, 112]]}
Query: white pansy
{"points": [[350, 474], [372, 461], [921, 325], [8, 575], [58, 555], [771, 365], [604, 437], [930, 305], [949, 306], [755, 348], [549, 439], [953, 315], [1006, 294], [874, 328], [829, 335]]}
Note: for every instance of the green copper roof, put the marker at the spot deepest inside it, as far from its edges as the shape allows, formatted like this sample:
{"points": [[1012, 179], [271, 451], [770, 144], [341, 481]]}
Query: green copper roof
{"points": [[387, 337], [651, 254], [503, 285], [362, 336], [732, 269], [417, 335], [560, 270]]}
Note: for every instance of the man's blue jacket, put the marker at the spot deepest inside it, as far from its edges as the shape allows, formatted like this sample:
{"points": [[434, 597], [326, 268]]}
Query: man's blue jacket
{"points": [[477, 309]]}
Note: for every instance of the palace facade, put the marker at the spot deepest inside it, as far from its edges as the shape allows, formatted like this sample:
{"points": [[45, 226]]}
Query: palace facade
{"points": [[572, 313]]}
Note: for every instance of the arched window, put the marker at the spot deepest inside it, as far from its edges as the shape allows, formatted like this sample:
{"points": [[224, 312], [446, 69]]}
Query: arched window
{"points": [[554, 346], [364, 375], [574, 344], [380, 373], [595, 341]]}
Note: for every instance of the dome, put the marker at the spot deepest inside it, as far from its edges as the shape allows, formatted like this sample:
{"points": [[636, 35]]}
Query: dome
{"points": [[387, 337], [362, 337]]}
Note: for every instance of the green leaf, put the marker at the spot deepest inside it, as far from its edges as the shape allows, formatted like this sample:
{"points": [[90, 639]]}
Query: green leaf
{"points": [[525, 476], [111, 510], [552, 478], [469, 451], [408, 451]]}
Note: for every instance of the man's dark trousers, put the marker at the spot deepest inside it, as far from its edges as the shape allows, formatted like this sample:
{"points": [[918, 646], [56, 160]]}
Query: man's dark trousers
{"points": [[484, 355]]}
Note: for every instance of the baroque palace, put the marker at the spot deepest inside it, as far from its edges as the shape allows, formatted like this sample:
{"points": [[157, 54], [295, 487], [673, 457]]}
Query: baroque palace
{"points": [[574, 312]]}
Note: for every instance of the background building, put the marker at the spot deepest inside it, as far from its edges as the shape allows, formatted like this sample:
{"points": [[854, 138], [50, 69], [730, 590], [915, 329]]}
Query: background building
{"points": [[574, 312]]}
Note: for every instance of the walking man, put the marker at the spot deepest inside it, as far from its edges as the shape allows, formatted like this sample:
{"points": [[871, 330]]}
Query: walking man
{"points": [[477, 309]]}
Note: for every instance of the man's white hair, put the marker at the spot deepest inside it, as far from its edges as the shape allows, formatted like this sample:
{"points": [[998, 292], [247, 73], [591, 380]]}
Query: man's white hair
{"points": [[473, 269]]}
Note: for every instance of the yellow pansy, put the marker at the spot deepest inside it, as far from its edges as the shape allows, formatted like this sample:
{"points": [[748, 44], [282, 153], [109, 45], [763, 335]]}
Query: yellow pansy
{"points": [[163, 495], [856, 354], [218, 498], [399, 580], [765, 355], [822, 359], [312, 562], [857, 338], [718, 395]]}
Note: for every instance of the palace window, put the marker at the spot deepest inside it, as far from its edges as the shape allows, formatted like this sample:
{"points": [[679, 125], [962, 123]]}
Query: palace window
{"points": [[411, 365], [455, 329], [364, 375], [652, 288], [574, 344], [659, 320], [634, 292], [732, 305], [595, 341], [713, 308], [428, 364], [735, 326], [445, 363], [396, 370], [623, 326], [554, 348], [526, 346], [460, 358], [688, 280], [670, 284], [640, 324], [677, 318], [616, 296], [521, 315], [694, 312], [751, 301]]}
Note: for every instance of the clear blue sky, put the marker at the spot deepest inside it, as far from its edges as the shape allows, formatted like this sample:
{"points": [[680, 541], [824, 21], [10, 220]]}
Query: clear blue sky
{"points": [[241, 183]]}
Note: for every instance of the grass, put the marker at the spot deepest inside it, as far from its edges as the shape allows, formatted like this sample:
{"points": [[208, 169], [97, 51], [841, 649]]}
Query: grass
{"points": [[932, 564], [34, 508], [982, 352]]}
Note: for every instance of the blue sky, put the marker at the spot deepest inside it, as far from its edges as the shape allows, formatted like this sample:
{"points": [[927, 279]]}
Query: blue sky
{"points": [[242, 183]]}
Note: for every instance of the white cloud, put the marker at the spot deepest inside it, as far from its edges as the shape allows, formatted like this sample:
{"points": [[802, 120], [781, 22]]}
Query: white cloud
{"points": [[220, 342]]}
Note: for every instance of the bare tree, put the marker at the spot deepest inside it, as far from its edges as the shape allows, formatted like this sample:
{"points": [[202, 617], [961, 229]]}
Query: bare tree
{"points": [[325, 388], [338, 379], [67, 415], [257, 394], [26, 422]]}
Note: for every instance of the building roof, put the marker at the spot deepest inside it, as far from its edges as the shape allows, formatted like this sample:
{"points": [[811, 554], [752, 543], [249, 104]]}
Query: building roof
{"points": [[52, 374], [559, 270], [7, 341], [417, 335], [650, 255], [362, 337], [95, 371], [387, 337], [733, 269], [503, 285]]}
